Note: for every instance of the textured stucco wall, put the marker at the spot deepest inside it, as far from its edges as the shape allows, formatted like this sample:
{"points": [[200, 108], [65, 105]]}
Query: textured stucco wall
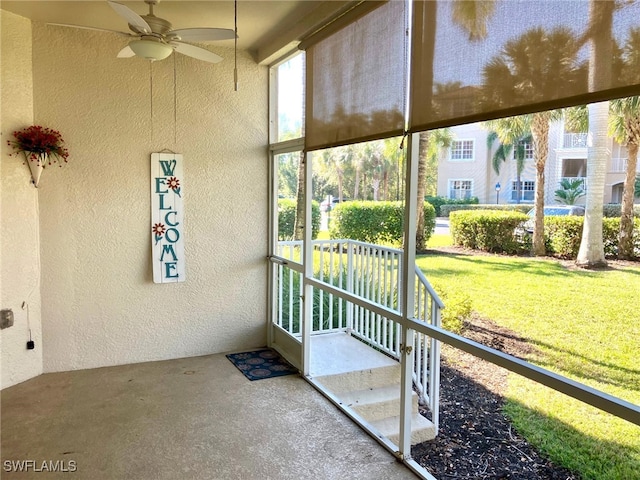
{"points": [[19, 243], [99, 304]]}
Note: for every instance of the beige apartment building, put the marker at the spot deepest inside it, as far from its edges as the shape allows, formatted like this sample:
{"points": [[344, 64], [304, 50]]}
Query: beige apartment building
{"points": [[465, 169]]}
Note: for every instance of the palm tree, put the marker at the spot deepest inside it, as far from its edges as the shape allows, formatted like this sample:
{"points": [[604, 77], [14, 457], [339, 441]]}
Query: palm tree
{"points": [[395, 156], [298, 224], [591, 252], [375, 161], [570, 191], [423, 155], [512, 135], [517, 76], [624, 126], [472, 16]]}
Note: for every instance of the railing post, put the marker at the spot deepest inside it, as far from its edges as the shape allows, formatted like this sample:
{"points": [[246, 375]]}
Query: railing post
{"points": [[349, 285], [434, 369]]}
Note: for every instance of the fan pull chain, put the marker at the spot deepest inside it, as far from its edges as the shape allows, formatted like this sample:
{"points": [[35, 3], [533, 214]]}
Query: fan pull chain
{"points": [[175, 104], [151, 97], [235, 49]]}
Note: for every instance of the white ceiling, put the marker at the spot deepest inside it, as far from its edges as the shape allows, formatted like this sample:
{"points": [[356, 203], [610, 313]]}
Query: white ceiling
{"points": [[265, 27]]}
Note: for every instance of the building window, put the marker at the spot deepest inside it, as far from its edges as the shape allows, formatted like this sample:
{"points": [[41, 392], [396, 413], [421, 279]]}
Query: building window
{"points": [[462, 150], [526, 192], [528, 150], [460, 189]]}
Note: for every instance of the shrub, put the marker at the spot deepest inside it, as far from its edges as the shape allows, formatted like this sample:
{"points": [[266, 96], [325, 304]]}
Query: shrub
{"points": [[438, 201], [613, 210], [446, 210], [457, 309], [564, 234], [487, 230], [375, 222], [287, 217]]}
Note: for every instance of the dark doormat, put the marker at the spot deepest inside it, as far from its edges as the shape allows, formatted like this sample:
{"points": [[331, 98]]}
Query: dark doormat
{"points": [[263, 363]]}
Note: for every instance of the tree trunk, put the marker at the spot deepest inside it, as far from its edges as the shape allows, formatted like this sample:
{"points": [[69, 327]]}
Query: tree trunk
{"points": [[298, 228], [365, 190], [423, 148], [625, 238], [385, 186], [591, 253], [540, 136], [356, 182], [375, 185]]}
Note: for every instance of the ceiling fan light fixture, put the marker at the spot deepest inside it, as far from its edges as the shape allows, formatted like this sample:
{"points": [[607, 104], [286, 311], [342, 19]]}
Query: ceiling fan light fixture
{"points": [[150, 50]]}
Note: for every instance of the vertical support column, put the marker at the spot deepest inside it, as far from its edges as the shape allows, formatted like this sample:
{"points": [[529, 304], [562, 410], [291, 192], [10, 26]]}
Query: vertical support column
{"points": [[307, 249], [272, 269], [407, 296]]}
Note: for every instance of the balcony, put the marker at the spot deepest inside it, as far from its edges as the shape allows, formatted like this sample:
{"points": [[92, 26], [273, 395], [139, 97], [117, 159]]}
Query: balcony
{"points": [[619, 165], [575, 140]]}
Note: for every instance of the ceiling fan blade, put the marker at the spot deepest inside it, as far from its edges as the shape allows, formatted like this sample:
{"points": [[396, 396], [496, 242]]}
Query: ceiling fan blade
{"points": [[68, 25], [196, 52], [131, 17], [126, 52], [202, 34]]}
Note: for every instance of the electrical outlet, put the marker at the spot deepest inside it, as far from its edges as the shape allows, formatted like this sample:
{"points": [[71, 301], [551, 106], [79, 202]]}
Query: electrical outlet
{"points": [[6, 318], [31, 345]]}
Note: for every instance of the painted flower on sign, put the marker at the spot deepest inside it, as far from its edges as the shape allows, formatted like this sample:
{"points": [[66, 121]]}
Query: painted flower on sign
{"points": [[158, 229], [174, 184]]}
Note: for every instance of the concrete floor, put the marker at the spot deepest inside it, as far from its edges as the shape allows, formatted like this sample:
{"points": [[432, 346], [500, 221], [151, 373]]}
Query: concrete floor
{"points": [[194, 418]]}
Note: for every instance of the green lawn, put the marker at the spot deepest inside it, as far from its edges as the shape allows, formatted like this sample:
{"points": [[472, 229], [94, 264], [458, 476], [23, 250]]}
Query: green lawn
{"points": [[586, 326]]}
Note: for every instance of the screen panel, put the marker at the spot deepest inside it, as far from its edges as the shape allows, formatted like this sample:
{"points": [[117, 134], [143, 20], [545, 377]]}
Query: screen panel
{"points": [[487, 59]]}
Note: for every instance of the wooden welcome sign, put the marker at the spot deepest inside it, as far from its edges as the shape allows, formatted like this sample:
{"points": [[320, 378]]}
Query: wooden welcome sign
{"points": [[167, 218]]}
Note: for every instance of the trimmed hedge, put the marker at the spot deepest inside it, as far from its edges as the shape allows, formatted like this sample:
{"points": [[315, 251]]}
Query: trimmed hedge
{"points": [[445, 210], [287, 217], [487, 230], [612, 210], [493, 231], [563, 236], [375, 222], [438, 201]]}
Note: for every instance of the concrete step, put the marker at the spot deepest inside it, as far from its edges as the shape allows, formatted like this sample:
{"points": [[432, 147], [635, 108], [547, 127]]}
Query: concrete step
{"points": [[376, 403], [421, 428], [357, 380]]}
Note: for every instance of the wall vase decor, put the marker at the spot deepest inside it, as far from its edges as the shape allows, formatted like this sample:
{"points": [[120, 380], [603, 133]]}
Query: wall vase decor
{"points": [[36, 167], [40, 146]]}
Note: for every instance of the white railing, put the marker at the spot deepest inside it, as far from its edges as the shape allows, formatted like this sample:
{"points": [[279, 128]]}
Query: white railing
{"points": [[372, 272], [575, 140], [619, 165]]}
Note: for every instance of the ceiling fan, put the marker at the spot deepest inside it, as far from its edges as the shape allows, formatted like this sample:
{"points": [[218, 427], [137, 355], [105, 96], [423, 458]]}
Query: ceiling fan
{"points": [[154, 39]]}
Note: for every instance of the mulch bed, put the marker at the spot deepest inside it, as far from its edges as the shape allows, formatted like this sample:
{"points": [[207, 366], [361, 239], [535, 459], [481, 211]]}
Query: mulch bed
{"points": [[475, 440]]}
